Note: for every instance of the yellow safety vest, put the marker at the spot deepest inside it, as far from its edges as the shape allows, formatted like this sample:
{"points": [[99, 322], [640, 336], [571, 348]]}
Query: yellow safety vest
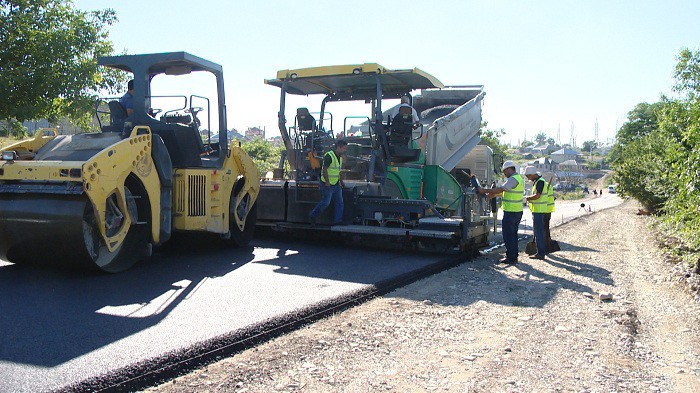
{"points": [[513, 199], [540, 205], [333, 169], [550, 199]]}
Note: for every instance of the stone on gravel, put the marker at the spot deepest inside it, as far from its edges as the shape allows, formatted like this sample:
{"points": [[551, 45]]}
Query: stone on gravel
{"points": [[605, 296]]}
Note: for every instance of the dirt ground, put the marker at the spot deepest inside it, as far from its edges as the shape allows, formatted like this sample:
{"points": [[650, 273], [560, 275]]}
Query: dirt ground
{"points": [[484, 327]]}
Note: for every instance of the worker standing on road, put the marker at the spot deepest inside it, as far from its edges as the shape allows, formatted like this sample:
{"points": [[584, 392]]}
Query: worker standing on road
{"points": [[552, 246], [331, 183], [512, 206], [539, 206]]}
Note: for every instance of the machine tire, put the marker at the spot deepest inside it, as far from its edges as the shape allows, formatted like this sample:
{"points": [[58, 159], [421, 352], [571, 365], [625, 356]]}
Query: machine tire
{"points": [[134, 246], [241, 238]]}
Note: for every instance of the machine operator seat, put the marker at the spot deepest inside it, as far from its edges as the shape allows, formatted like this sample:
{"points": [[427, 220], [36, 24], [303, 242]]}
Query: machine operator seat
{"points": [[117, 116], [400, 137], [305, 121]]}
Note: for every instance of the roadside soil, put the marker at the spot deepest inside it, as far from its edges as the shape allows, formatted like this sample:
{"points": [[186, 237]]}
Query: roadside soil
{"points": [[484, 327]]}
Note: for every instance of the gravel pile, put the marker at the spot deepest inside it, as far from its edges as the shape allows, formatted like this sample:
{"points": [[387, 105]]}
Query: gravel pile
{"points": [[591, 318]]}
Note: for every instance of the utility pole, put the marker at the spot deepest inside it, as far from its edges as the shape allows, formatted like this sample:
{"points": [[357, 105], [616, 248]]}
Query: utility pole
{"points": [[559, 134]]}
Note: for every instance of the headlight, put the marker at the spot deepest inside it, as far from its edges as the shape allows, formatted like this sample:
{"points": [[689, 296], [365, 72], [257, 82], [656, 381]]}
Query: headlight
{"points": [[9, 155]]}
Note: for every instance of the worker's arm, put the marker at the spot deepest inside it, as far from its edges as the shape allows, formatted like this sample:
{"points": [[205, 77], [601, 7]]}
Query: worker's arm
{"points": [[492, 191], [325, 176], [533, 197]]}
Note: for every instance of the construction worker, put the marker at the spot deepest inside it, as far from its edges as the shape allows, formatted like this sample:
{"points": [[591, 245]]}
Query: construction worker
{"points": [[539, 206], [512, 205], [331, 183], [127, 100], [406, 106], [548, 218]]}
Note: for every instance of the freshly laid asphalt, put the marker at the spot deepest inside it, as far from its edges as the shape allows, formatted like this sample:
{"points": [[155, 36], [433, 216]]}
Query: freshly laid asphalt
{"points": [[58, 328], [61, 327]]}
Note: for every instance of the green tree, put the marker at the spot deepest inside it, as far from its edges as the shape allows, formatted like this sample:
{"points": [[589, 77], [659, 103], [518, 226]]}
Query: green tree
{"points": [[540, 138], [264, 155], [48, 60], [656, 152], [589, 146], [492, 139]]}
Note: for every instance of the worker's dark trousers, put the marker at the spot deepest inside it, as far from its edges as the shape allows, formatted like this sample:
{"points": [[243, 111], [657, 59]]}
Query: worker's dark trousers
{"points": [[538, 228], [547, 234], [509, 227], [334, 193]]}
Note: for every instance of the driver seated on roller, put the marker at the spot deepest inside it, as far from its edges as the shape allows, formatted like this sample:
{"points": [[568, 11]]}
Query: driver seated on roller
{"points": [[405, 108]]}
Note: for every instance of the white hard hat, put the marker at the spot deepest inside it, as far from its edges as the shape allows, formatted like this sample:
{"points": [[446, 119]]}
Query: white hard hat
{"points": [[508, 164], [531, 170]]}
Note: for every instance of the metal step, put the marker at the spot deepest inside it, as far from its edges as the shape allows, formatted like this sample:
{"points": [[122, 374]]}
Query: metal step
{"points": [[369, 230]]}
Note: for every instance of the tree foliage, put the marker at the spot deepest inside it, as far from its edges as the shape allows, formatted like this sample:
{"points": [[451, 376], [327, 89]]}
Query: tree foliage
{"points": [[265, 156], [541, 138], [656, 154], [589, 146], [48, 59], [492, 139]]}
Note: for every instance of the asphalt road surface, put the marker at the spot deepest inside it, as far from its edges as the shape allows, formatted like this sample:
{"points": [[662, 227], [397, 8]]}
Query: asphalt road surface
{"points": [[58, 328]]}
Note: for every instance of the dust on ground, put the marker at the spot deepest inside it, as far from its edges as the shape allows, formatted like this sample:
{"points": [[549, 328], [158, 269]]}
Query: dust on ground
{"points": [[484, 327]]}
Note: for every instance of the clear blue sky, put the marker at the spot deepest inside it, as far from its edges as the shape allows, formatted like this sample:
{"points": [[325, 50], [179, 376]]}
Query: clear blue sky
{"points": [[544, 64]]}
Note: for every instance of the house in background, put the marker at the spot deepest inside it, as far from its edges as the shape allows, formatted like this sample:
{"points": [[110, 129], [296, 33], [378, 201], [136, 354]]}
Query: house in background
{"points": [[571, 166], [545, 166], [541, 150], [564, 154]]}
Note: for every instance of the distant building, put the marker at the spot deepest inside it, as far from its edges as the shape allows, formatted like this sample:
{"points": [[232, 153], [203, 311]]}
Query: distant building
{"points": [[541, 150], [276, 141], [571, 166], [564, 154], [255, 132]]}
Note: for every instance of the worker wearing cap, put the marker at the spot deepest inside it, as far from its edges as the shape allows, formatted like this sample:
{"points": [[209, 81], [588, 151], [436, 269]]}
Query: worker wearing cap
{"points": [[512, 205], [539, 206]]}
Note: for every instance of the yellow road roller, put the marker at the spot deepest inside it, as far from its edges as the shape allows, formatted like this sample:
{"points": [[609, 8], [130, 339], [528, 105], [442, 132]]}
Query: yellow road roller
{"points": [[104, 199]]}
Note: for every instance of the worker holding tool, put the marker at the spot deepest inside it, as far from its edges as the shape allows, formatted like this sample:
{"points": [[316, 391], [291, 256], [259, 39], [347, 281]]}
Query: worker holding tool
{"points": [[331, 183], [539, 206], [512, 205]]}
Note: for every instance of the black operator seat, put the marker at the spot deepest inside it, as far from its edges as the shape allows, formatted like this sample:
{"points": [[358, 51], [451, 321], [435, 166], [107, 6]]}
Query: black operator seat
{"points": [[305, 121], [401, 134], [117, 116]]}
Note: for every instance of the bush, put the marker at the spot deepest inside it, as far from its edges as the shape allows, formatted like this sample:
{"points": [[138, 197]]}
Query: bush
{"points": [[265, 156], [658, 163], [13, 129]]}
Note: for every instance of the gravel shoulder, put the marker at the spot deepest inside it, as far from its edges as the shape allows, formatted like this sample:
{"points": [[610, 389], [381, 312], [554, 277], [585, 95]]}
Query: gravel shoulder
{"points": [[483, 327]]}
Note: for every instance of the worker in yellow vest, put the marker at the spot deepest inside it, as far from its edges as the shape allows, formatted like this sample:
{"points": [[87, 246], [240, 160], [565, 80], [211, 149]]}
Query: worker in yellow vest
{"points": [[331, 184], [548, 218], [512, 205], [539, 206]]}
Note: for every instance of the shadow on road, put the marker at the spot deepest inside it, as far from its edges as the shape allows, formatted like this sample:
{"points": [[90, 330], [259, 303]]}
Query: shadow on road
{"points": [[48, 317]]}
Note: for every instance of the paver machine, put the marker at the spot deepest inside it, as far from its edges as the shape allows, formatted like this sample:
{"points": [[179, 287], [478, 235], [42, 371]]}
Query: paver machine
{"points": [[398, 187], [103, 199]]}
